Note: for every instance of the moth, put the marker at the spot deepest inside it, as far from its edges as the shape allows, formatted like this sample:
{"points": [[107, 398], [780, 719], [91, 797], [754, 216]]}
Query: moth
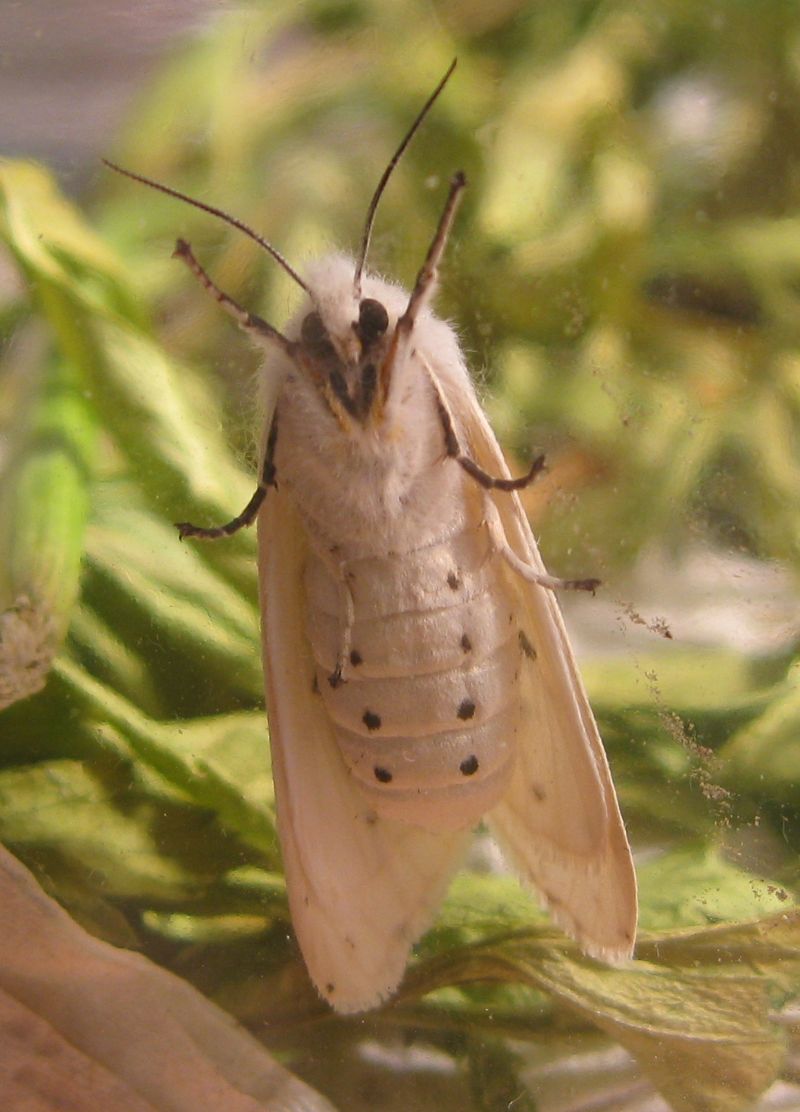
{"points": [[419, 677]]}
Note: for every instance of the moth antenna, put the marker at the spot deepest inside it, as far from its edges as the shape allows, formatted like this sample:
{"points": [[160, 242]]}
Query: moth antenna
{"points": [[387, 173], [212, 211]]}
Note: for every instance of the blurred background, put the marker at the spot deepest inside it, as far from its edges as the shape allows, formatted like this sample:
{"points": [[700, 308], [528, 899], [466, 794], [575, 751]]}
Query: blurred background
{"points": [[625, 280]]}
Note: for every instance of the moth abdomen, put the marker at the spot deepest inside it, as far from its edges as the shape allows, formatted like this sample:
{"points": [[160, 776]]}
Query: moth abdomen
{"points": [[431, 577], [414, 642], [405, 619], [422, 705], [444, 781], [427, 719]]}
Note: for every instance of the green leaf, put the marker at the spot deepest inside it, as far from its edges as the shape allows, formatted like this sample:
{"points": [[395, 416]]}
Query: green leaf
{"points": [[764, 754], [91, 821], [48, 235], [51, 429], [696, 1010], [219, 763], [150, 585], [696, 885]]}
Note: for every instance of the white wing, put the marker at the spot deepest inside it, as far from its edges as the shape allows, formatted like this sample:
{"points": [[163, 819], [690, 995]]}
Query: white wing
{"points": [[362, 889], [559, 824]]}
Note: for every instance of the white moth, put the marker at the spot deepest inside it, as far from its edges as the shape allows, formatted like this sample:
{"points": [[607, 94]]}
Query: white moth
{"points": [[418, 673]]}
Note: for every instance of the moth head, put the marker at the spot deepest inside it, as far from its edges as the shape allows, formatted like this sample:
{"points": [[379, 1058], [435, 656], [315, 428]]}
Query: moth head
{"points": [[351, 355], [372, 323], [343, 339], [348, 335]]}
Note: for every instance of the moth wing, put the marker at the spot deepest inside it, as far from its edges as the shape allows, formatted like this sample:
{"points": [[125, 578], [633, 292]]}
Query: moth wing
{"points": [[559, 823], [361, 889]]}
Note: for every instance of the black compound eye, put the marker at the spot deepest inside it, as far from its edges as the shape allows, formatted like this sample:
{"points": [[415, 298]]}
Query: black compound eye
{"points": [[313, 330], [373, 320]]}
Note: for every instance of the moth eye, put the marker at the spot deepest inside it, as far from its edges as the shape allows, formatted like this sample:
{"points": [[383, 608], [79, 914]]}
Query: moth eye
{"points": [[373, 320], [313, 330]]}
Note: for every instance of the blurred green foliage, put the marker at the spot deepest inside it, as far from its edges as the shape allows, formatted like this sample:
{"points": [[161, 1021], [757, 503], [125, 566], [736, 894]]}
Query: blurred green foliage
{"points": [[624, 276]]}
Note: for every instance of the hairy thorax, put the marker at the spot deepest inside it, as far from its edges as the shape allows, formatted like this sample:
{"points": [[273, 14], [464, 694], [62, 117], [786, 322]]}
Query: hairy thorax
{"points": [[379, 490]]}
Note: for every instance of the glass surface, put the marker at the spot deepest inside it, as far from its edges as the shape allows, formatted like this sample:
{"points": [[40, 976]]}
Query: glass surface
{"points": [[623, 276]]}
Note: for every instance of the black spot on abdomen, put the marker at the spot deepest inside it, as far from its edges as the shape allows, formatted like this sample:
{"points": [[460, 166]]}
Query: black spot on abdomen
{"points": [[466, 710], [469, 766]]}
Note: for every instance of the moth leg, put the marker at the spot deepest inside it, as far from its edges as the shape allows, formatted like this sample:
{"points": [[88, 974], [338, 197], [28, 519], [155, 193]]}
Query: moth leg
{"points": [[249, 322], [494, 525], [338, 570], [423, 290], [428, 274], [248, 514], [487, 481], [253, 324], [336, 678], [497, 536]]}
